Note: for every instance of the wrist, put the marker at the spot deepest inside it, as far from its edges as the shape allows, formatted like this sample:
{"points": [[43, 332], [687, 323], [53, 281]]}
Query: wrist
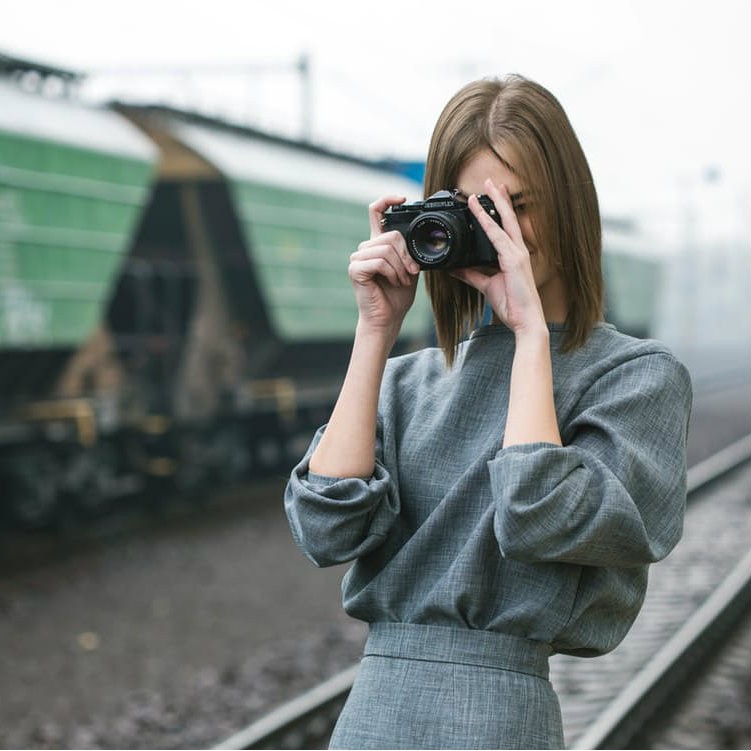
{"points": [[378, 338], [532, 333]]}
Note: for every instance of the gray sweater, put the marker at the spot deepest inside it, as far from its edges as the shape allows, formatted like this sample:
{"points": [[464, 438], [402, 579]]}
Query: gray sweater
{"points": [[545, 542]]}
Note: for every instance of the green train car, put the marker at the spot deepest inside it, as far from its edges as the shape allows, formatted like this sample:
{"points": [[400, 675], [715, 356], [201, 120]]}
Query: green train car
{"points": [[634, 279], [73, 184]]}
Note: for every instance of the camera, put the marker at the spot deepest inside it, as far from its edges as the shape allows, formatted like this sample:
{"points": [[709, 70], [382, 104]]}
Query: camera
{"points": [[442, 233]]}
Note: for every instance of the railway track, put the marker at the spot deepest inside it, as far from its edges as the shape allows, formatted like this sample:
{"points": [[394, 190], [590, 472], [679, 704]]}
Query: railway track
{"points": [[695, 596], [710, 710]]}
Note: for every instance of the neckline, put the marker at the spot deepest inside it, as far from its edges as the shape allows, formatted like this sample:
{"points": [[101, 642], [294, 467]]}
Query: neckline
{"points": [[554, 328]]}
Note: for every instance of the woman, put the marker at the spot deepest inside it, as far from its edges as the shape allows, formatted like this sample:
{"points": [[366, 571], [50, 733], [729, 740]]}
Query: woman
{"points": [[501, 497]]}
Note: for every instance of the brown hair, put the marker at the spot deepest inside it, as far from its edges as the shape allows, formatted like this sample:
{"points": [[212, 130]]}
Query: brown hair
{"points": [[528, 122]]}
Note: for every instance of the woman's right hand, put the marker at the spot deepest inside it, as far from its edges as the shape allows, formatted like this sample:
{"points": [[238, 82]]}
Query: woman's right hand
{"points": [[383, 274], [385, 279]]}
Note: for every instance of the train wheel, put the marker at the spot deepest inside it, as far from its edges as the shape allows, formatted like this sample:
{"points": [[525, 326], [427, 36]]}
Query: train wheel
{"points": [[270, 452], [192, 472], [232, 459], [99, 477], [34, 498]]}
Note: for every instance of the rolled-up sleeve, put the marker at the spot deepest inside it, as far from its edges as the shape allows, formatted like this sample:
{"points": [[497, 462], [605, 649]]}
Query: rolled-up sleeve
{"points": [[615, 493], [337, 519]]}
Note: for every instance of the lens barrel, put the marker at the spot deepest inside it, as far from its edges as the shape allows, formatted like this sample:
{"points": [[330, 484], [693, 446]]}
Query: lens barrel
{"points": [[434, 237]]}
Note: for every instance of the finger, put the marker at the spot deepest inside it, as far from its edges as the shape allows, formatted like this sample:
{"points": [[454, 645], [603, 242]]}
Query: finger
{"points": [[496, 234], [502, 201], [376, 210], [362, 272], [367, 252], [395, 240]]}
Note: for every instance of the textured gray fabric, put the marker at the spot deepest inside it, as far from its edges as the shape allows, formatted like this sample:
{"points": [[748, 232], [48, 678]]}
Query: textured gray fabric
{"points": [[538, 541], [437, 687]]}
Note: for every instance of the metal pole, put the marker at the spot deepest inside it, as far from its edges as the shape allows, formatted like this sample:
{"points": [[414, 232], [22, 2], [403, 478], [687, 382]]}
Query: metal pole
{"points": [[306, 97]]}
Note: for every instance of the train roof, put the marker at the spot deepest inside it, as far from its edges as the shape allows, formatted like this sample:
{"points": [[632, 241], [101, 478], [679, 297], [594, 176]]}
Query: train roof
{"points": [[13, 65], [248, 155], [70, 122]]}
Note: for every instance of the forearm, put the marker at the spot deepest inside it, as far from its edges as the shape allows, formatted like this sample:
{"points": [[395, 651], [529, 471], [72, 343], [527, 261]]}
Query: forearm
{"points": [[347, 447], [531, 414]]}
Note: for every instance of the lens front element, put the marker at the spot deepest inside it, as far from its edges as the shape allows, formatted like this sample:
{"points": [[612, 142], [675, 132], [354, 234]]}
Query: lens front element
{"points": [[431, 238]]}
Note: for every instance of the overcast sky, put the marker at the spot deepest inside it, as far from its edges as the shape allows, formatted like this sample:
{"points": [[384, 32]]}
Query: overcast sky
{"points": [[658, 91]]}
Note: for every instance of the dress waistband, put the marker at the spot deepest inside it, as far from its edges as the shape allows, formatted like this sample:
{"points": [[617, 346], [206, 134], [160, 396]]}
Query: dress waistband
{"points": [[460, 645]]}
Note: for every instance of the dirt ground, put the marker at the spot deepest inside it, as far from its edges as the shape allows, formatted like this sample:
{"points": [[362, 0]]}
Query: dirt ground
{"points": [[129, 642]]}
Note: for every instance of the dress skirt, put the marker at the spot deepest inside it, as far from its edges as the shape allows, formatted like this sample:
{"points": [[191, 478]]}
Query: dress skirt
{"points": [[425, 686]]}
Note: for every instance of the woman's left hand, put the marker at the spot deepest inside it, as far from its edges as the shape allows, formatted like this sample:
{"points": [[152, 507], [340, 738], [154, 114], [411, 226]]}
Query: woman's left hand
{"points": [[511, 291]]}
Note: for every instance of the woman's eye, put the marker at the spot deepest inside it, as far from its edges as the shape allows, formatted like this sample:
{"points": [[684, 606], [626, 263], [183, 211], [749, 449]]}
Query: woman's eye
{"points": [[520, 208]]}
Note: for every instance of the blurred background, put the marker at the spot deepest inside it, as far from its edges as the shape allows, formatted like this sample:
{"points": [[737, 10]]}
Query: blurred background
{"points": [[181, 185]]}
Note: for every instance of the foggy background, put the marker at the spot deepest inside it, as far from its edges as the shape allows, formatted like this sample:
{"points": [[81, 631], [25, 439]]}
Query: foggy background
{"points": [[658, 92]]}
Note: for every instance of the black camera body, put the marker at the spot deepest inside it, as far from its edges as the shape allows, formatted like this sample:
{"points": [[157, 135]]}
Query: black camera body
{"points": [[442, 233]]}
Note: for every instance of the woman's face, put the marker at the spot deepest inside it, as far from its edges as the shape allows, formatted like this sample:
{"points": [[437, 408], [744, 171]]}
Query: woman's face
{"points": [[486, 164]]}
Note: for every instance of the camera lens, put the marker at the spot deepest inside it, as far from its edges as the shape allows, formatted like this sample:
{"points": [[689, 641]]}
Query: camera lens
{"points": [[434, 241], [431, 238]]}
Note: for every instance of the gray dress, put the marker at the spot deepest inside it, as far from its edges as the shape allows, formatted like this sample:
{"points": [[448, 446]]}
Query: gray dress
{"points": [[474, 563]]}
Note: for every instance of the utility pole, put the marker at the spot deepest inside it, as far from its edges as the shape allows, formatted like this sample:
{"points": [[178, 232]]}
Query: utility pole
{"points": [[306, 97]]}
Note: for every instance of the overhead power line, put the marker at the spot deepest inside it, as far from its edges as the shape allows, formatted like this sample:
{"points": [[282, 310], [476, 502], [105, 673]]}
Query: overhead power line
{"points": [[300, 67]]}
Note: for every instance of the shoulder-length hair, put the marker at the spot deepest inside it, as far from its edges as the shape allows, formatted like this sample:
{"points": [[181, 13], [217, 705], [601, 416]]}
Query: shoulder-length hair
{"points": [[526, 122]]}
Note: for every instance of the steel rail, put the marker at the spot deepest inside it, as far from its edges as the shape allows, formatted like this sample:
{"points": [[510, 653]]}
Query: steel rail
{"points": [[650, 687], [289, 720], [286, 719], [718, 465]]}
